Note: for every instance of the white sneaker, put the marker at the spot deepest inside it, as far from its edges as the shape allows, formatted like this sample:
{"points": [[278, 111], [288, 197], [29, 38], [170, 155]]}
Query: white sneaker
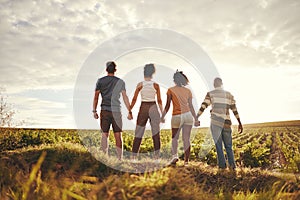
{"points": [[134, 160], [157, 160], [174, 160]]}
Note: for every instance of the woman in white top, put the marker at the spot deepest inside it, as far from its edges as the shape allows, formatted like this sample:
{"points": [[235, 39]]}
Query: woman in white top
{"points": [[148, 110]]}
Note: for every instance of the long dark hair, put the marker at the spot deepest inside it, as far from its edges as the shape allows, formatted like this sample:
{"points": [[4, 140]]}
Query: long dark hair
{"points": [[180, 78]]}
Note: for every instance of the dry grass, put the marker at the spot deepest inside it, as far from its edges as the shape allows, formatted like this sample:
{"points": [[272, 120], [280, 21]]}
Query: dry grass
{"points": [[68, 171]]}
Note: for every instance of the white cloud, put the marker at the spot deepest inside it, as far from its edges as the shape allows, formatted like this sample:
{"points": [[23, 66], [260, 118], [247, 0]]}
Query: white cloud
{"points": [[44, 43], [43, 111], [240, 32]]}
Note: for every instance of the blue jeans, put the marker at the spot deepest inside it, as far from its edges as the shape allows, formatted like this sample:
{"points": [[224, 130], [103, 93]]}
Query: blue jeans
{"points": [[223, 135]]}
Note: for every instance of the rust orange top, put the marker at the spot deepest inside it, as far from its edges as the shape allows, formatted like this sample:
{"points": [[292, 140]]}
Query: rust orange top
{"points": [[179, 97]]}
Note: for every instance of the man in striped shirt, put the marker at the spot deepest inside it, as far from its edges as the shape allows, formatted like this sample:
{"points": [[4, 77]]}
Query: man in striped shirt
{"points": [[221, 101]]}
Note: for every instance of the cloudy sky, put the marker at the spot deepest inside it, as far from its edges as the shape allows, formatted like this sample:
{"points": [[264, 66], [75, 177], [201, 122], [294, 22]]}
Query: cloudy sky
{"points": [[253, 44]]}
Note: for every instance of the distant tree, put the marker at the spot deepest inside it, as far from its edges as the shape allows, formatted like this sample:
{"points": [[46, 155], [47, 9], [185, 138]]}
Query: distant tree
{"points": [[7, 112]]}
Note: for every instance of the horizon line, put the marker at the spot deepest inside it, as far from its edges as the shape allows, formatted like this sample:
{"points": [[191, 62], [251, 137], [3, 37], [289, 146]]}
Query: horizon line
{"points": [[291, 123]]}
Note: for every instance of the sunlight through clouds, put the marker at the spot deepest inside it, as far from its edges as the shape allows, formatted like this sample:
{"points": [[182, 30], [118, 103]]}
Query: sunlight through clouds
{"points": [[264, 94], [44, 44]]}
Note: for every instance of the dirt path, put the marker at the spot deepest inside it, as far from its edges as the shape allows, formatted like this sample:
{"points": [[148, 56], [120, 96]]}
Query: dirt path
{"points": [[277, 157]]}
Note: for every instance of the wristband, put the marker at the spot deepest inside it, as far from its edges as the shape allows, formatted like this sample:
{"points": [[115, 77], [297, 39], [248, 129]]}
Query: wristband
{"points": [[94, 111]]}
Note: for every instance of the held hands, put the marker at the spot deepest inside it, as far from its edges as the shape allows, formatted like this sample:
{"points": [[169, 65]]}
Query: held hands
{"points": [[240, 128], [162, 120], [197, 123], [130, 116]]}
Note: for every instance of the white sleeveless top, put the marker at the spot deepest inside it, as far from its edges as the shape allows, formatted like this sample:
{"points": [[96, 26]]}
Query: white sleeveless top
{"points": [[148, 91]]}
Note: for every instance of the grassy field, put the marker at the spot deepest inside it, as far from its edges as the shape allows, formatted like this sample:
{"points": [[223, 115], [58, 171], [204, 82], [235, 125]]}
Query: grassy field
{"points": [[54, 164]]}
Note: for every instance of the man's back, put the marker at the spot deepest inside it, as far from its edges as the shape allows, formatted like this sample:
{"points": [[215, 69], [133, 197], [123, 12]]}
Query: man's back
{"points": [[221, 101], [110, 88]]}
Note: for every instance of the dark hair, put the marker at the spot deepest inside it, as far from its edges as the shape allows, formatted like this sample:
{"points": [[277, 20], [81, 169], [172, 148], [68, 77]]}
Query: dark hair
{"points": [[149, 70], [218, 82], [180, 79], [111, 67]]}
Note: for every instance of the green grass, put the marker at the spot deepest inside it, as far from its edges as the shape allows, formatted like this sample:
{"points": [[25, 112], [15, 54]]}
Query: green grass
{"points": [[53, 164], [68, 171]]}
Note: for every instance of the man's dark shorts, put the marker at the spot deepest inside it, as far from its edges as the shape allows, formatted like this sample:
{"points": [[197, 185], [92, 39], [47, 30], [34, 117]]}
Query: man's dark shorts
{"points": [[108, 118]]}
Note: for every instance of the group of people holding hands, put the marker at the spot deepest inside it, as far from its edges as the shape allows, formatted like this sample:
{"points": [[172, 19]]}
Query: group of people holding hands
{"points": [[183, 115]]}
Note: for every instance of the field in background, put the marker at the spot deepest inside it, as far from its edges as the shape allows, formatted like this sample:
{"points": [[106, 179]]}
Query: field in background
{"points": [[268, 156]]}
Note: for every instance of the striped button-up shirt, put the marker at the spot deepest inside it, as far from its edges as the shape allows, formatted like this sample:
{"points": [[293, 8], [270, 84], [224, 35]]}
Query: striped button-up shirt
{"points": [[221, 101]]}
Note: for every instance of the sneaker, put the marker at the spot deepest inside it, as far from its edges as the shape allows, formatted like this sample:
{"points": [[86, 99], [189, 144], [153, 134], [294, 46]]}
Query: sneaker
{"points": [[156, 157], [221, 170], [134, 160], [231, 168], [157, 160], [232, 171], [186, 164], [174, 160]]}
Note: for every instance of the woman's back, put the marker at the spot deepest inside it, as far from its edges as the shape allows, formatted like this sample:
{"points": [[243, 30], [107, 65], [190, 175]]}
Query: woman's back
{"points": [[180, 97], [148, 91]]}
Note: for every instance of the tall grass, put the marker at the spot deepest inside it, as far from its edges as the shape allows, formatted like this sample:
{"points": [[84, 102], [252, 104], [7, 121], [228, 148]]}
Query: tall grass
{"points": [[33, 176], [54, 164], [68, 171]]}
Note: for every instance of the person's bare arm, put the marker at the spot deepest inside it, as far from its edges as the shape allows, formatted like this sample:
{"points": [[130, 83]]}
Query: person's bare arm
{"points": [[136, 93], [196, 121], [127, 104], [159, 101], [95, 103], [167, 107]]}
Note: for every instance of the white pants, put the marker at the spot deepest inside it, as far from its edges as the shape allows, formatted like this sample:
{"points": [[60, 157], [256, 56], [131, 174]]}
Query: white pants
{"points": [[182, 119]]}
